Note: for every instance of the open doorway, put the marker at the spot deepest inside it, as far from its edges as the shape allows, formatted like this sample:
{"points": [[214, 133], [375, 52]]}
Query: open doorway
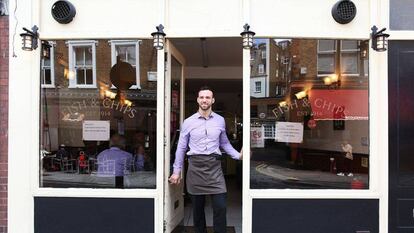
{"points": [[216, 63]]}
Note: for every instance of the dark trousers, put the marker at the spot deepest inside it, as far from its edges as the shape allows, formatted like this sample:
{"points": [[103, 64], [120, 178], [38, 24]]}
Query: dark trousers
{"points": [[348, 165], [119, 182], [219, 213]]}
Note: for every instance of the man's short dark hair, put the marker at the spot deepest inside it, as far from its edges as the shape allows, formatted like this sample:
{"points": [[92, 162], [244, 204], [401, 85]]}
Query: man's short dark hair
{"points": [[205, 88], [117, 141]]}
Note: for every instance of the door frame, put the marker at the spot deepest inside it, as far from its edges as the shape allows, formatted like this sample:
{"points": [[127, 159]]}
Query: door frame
{"points": [[171, 51]]}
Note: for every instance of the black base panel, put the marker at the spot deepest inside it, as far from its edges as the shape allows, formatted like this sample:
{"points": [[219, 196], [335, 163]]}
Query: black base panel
{"points": [[90, 215], [315, 216]]}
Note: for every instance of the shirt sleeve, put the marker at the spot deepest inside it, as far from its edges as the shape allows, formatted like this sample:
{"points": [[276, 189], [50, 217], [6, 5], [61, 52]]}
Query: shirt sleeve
{"points": [[225, 143], [181, 148]]}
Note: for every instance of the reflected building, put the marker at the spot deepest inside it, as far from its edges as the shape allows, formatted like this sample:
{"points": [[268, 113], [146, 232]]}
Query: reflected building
{"points": [[98, 81], [323, 86]]}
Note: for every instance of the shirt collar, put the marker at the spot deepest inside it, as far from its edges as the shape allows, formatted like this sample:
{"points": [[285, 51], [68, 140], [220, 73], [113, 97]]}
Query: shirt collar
{"points": [[210, 116]]}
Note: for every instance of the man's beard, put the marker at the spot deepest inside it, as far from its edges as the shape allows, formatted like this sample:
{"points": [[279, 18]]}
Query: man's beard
{"points": [[204, 108]]}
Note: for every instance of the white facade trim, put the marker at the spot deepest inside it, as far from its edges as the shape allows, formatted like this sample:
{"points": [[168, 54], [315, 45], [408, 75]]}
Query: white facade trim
{"points": [[23, 171]]}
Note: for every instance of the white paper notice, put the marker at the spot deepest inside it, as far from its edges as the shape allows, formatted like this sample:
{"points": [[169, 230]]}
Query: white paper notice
{"points": [[95, 131], [289, 132], [257, 137]]}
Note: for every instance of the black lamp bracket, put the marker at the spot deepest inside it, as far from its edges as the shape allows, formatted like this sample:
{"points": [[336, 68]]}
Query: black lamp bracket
{"points": [[34, 32]]}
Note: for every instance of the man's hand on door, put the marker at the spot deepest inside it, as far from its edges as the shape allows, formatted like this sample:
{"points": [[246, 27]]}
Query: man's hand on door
{"points": [[174, 179]]}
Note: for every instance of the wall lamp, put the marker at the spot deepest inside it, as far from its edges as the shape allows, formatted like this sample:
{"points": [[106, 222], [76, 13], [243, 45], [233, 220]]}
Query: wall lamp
{"points": [[379, 39], [46, 49], [29, 38], [332, 81], [247, 36], [158, 37], [300, 95]]}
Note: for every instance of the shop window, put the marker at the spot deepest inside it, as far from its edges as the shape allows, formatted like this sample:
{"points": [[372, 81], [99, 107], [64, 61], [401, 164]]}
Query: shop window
{"points": [[82, 63], [314, 133], [47, 69], [84, 129], [127, 51]]}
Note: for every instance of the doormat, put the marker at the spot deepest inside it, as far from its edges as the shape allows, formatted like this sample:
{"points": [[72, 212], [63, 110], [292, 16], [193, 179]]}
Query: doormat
{"points": [[190, 229]]}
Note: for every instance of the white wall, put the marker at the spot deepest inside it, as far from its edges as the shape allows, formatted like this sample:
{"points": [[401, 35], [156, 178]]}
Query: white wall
{"points": [[198, 18], [293, 18], [103, 19]]}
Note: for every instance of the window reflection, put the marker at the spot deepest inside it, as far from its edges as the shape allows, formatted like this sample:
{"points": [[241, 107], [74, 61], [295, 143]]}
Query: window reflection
{"points": [[95, 98], [309, 118]]}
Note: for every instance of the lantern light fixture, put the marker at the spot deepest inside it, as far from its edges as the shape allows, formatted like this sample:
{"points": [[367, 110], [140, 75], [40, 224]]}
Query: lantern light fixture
{"points": [[379, 39], [302, 94], [46, 49], [247, 36], [158, 37], [30, 38]]}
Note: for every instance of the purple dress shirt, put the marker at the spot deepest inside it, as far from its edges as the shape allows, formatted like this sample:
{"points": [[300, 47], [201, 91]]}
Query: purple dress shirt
{"points": [[114, 161], [203, 137]]}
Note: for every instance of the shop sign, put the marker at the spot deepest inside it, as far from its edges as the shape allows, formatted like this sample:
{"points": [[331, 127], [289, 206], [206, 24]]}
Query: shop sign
{"points": [[95, 130], [289, 132], [257, 137], [106, 105]]}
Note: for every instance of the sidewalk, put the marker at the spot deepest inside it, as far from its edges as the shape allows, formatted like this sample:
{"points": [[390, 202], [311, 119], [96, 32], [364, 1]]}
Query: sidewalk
{"points": [[265, 174]]}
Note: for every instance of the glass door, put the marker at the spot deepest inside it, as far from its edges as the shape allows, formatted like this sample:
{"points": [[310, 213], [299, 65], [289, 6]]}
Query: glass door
{"points": [[174, 105]]}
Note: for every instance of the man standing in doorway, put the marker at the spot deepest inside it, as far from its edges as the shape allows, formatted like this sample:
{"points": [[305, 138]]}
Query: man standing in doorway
{"points": [[204, 133]]}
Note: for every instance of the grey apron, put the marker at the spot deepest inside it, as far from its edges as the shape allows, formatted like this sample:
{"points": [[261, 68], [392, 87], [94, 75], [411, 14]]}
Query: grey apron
{"points": [[205, 176]]}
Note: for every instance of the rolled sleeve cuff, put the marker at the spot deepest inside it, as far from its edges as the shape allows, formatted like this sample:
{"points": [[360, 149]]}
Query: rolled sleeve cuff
{"points": [[177, 171]]}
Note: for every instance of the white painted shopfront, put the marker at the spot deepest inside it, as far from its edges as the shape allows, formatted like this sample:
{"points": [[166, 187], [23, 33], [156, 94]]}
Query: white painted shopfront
{"points": [[184, 21]]}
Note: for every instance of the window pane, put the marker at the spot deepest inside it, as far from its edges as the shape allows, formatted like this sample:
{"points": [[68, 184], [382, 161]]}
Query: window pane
{"points": [[131, 55], [326, 45], [349, 45], [79, 125], [127, 53], [121, 51], [88, 56], [89, 76], [366, 65], [349, 63], [47, 77], [80, 76], [46, 62], [315, 136], [326, 64], [79, 55]]}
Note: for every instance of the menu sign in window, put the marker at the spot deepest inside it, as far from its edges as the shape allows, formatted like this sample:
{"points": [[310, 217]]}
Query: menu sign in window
{"points": [[95, 130], [257, 137], [289, 132]]}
